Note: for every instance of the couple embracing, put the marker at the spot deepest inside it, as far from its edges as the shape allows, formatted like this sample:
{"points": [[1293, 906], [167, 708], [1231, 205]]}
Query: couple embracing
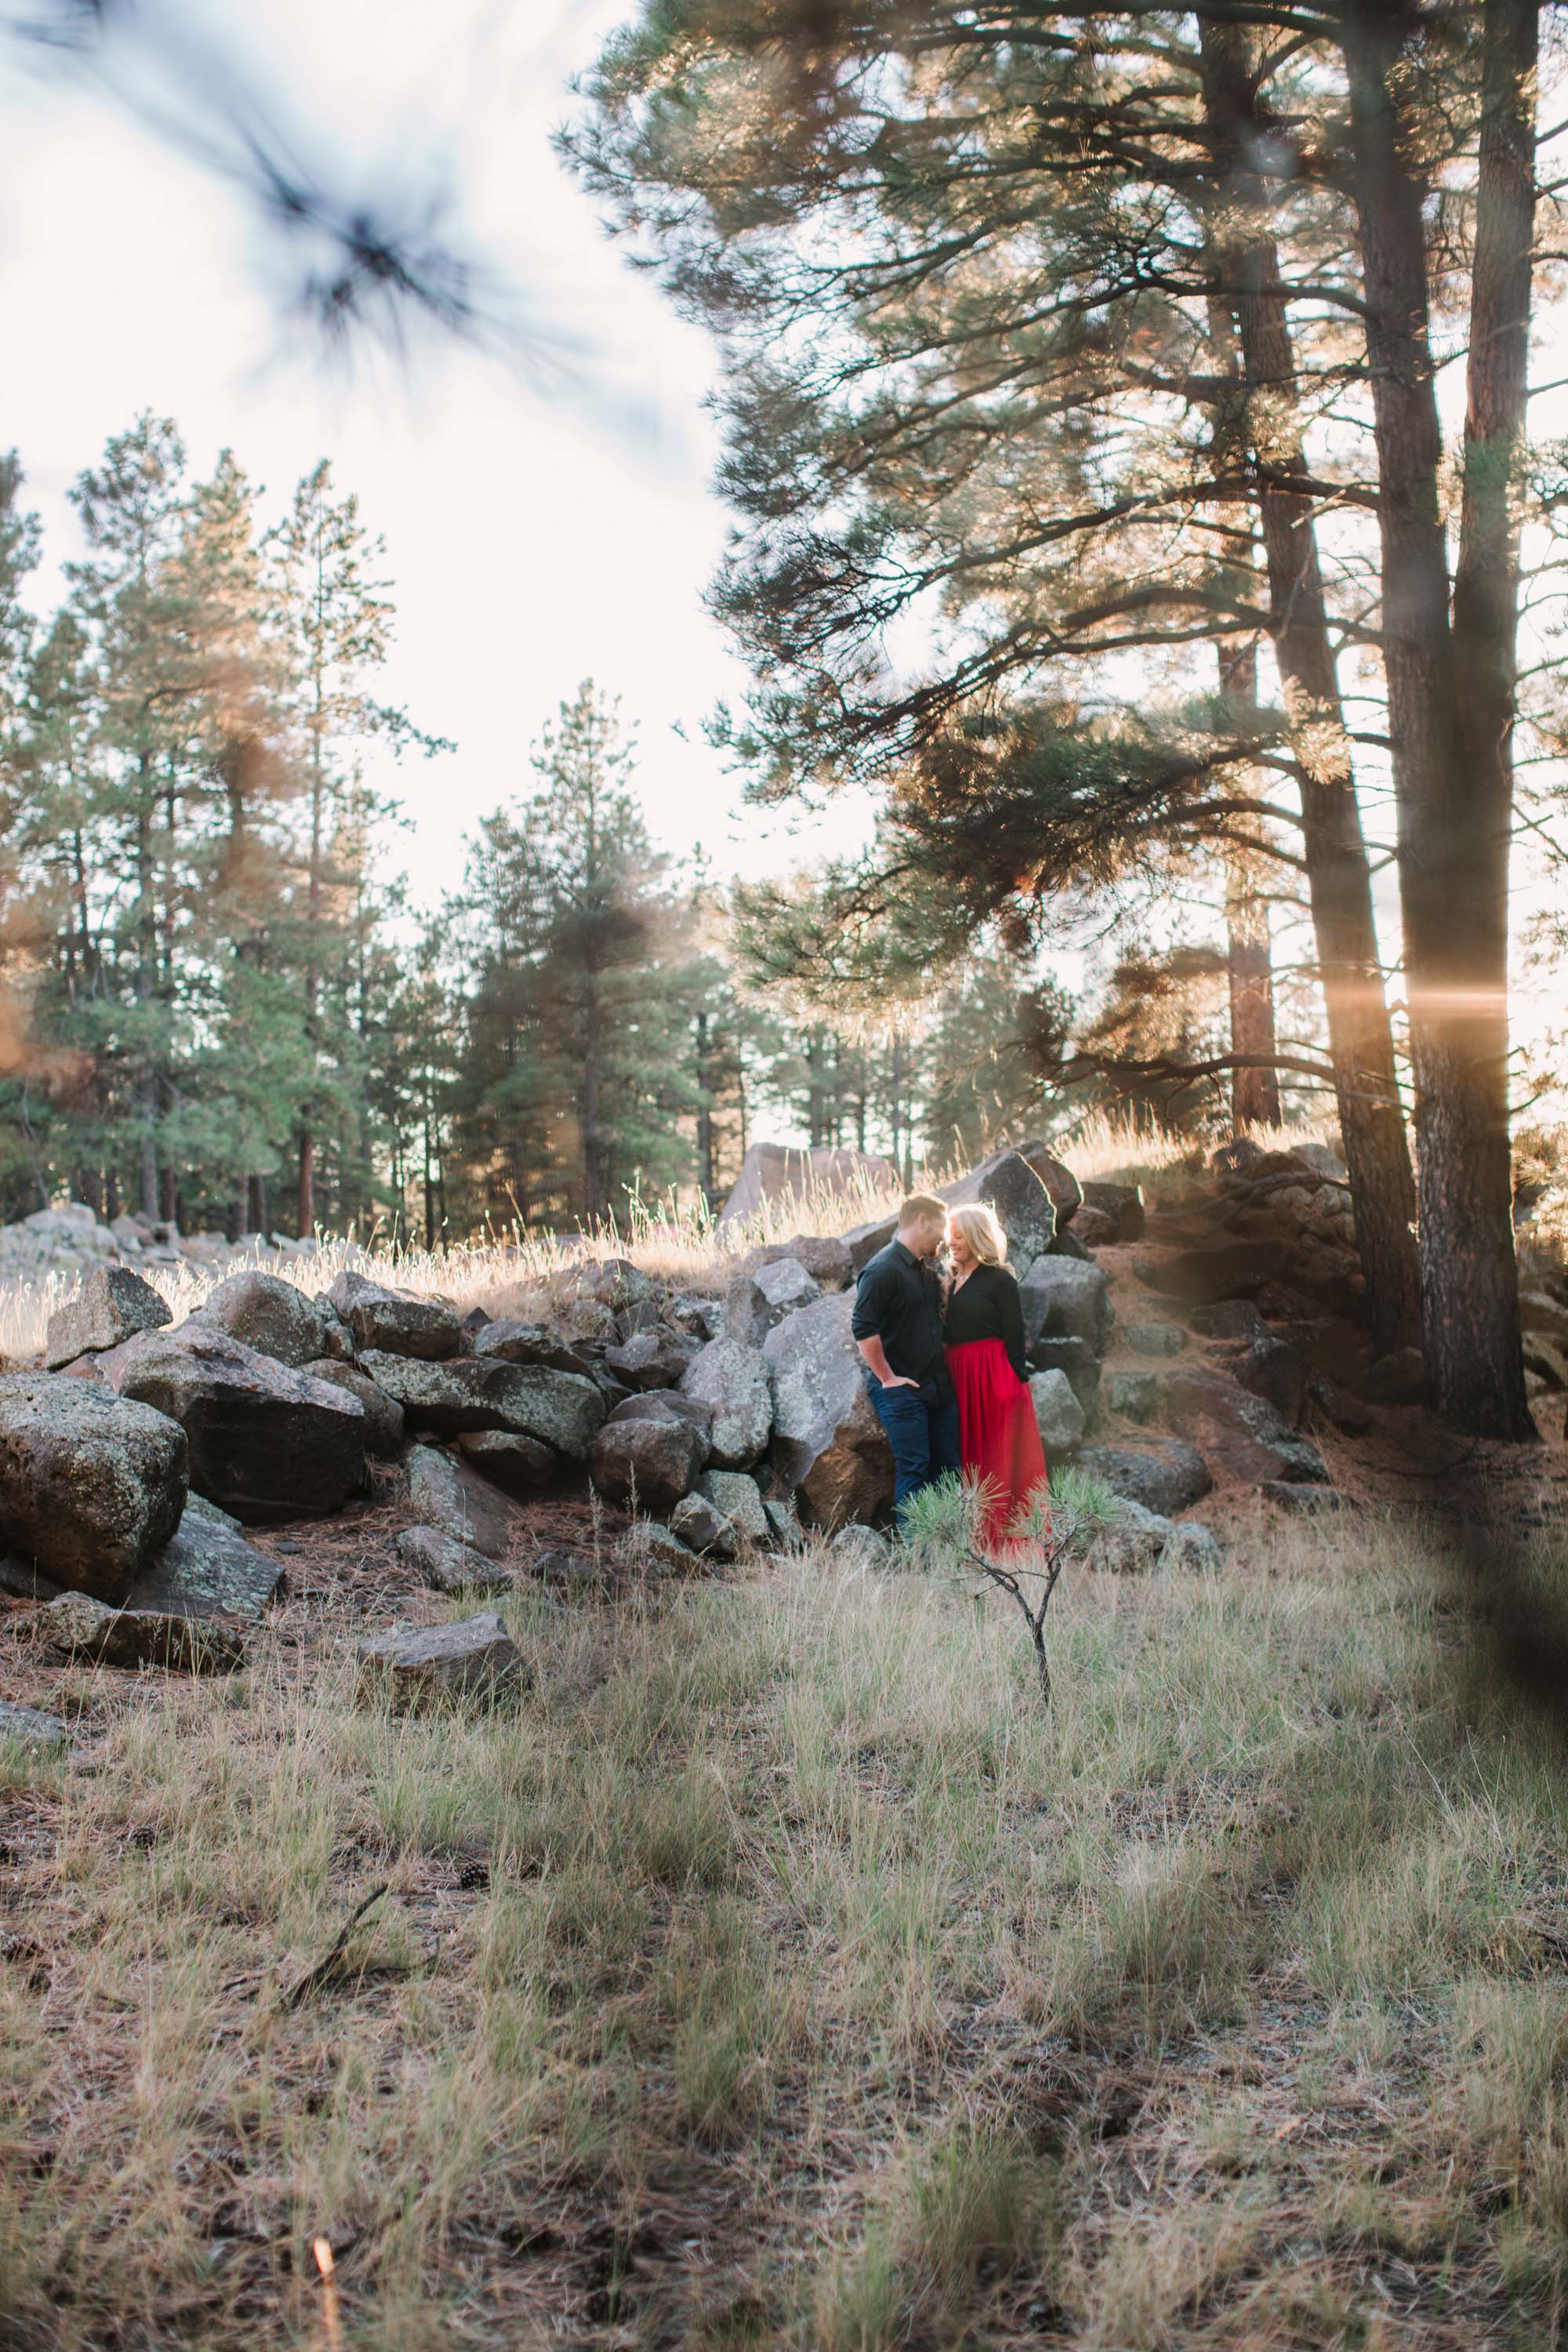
{"points": [[943, 1349]]}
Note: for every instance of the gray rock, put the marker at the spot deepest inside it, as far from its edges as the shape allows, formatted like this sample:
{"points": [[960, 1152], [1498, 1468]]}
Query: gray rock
{"points": [[1241, 1430], [738, 1497], [1398, 1378], [414, 1663], [1323, 1159], [382, 1414], [1154, 1339], [91, 1487], [1061, 1418], [1081, 1365], [1065, 1298], [651, 1359], [264, 1312], [755, 1302], [1092, 1230], [654, 1463], [111, 1306], [446, 1563], [1220, 1270], [562, 1410], [207, 1571], [861, 1549], [1271, 1368], [1302, 1501], [455, 1498], [703, 1528], [266, 1442], [1165, 1480], [569, 1571], [784, 1521], [24, 1727], [1068, 1244], [23, 1582], [520, 1464], [863, 1241], [616, 1283], [829, 1450], [669, 1404], [703, 1318], [1010, 1188], [1229, 1318], [394, 1323], [512, 1343], [1067, 1194], [1139, 1539], [733, 1378], [1345, 1413], [657, 1550], [84, 1627], [825, 1257], [1123, 1205], [1136, 1395]]}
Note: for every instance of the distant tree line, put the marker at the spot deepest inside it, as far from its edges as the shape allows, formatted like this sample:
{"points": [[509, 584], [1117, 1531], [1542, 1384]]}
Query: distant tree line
{"points": [[215, 1009]]}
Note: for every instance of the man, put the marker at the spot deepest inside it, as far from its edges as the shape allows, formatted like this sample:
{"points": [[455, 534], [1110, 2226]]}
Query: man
{"points": [[897, 1326]]}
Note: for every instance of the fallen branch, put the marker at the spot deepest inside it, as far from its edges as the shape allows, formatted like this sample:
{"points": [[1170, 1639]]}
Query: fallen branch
{"points": [[329, 1960]]}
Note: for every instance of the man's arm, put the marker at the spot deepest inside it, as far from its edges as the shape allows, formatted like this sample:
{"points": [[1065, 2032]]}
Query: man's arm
{"points": [[870, 1299]]}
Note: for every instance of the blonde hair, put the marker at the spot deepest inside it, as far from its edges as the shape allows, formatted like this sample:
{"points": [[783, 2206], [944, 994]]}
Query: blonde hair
{"points": [[921, 1209], [980, 1229]]}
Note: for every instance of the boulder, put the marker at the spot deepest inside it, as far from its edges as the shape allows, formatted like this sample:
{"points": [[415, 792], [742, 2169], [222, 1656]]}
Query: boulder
{"points": [[861, 1549], [616, 1283], [863, 1241], [669, 1404], [825, 1257], [1166, 1479], [1302, 1501], [27, 1727], [1009, 1187], [512, 1343], [382, 1414], [266, 1442], [1123, 1205], [651, 1359], [1138, 1539], [655, 1549], [562, 1410], [92, 1487], [651, 1462], [740, 1499], [1080, 1361], [1229, 1318], [1273, 1369], [643, 1316], [784, 1520], [829, 1449], [447, 1564], [111, 1306], [1062, 1419], [703, 1528], [1545, 1357], [1154, 1339], [1064, 1300], [264, 1312], [755, 1302], [84, 1627], [394, 1322], [1538, 1312], [733, 1378], [1067, 1244], [1244, 1432], [703, 1318], [414, 1663], [23, 1582], [460, 1501], [1344, 1411], [207, 1570], [1067, 1194], [777, 1173], [1091, 1229], [1219, 1270], [1135, 1395], [1398, 1378], [520, 1464]]}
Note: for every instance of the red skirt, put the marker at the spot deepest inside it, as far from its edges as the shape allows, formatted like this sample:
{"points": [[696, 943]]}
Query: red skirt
{"points": [[999, 1438]]}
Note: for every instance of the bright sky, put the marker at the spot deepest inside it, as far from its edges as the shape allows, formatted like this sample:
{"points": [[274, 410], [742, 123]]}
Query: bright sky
{"points": [[535, 534]]}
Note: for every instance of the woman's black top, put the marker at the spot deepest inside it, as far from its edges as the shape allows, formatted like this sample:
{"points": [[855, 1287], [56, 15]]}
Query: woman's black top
{"points": [[987, 1307]]}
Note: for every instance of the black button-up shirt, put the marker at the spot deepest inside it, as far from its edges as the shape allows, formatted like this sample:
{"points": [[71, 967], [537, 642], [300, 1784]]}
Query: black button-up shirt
{"points": [[899, 1301]]}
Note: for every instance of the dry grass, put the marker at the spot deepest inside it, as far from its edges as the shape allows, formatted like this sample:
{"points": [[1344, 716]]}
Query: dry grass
{"points": [[780, 1973]]}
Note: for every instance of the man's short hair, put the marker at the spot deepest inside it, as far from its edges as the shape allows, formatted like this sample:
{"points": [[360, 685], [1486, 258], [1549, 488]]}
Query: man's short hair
{"points": [[920, 1208]]}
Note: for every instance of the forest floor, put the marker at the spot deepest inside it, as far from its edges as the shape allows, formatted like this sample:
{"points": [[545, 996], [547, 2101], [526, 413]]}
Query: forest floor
{"points": [[778, 1972]]}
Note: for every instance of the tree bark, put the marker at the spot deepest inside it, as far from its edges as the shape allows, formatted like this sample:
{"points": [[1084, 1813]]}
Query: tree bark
{"points": [[1254, 1083], [1339, 878], [1450, 687]]}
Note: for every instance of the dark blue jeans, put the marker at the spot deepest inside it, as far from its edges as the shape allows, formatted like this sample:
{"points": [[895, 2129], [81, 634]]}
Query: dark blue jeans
{"points": [[923, 1430]]}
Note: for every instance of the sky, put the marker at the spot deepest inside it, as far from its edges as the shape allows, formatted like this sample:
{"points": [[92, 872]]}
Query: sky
{"points": [[539, 529]]}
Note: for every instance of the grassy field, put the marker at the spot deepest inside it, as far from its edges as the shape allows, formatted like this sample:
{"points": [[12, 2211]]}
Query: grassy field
{"points": [[777, 1973]]}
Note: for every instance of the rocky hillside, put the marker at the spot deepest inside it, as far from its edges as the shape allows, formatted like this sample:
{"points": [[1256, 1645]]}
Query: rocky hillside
{"points": [[1202, 1349]]}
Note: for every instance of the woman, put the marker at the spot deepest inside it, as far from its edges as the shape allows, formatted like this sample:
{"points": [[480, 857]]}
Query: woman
{"points": [[984, 1335]]}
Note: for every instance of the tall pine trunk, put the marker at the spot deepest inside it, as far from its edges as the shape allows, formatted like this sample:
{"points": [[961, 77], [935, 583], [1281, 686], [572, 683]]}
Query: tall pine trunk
{"points": [[1450, 687], [1338, 877], [1249, 969]]}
